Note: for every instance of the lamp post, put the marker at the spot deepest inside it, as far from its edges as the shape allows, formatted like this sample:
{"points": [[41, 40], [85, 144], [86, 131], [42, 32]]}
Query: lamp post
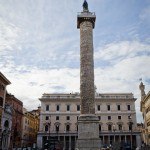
{"points": [[114, 129], [49, 124], [130, 128], [57, 130]]}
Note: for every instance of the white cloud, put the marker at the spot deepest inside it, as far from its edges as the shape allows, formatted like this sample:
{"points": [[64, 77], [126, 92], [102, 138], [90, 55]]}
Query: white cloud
{"points": [[33, 30], [30, 85], [129, 62], [8, 35], [121, 50], [124, 75]]}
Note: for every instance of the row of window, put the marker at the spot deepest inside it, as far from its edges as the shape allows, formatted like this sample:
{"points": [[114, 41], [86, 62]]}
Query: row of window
{"points": [[78, 107], [58, 107], [110, 127], [1, 101], [109, 107], [68, 117]]}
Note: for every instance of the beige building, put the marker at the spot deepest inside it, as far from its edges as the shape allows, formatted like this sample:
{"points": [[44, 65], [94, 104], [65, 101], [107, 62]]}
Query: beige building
{"points": [[145, 109], [30, 128], [59, 116]]}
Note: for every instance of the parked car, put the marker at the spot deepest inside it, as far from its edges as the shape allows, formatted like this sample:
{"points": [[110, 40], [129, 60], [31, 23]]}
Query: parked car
{"points": [[105, 147]]}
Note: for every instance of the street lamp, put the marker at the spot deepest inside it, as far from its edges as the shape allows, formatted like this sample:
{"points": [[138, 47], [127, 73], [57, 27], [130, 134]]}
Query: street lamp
{"points": [[57, 129], [114, 129], [49, 125], [130, 128]]}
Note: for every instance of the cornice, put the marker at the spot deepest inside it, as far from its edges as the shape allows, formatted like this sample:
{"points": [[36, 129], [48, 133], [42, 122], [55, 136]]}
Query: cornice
{"points": [[146, 97], [5, 80]]}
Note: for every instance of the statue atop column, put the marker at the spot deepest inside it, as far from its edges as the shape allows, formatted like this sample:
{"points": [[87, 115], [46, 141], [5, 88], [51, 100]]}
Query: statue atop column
{"points": [[85, 6]]}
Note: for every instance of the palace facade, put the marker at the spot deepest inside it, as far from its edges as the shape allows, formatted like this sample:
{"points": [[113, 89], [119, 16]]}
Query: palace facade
{"points": [[59, 116]]}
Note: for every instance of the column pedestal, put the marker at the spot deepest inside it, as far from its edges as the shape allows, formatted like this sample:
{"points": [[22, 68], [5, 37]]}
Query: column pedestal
{"points": [[88, 133]]}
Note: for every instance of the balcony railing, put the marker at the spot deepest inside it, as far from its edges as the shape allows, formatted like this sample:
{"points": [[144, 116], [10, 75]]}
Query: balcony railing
{"points": [[82, 13], [97, 96]]}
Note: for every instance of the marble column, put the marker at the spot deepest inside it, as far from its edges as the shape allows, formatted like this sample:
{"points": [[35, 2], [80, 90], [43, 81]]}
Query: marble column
{"points": [[87, 91], [88, 122]]}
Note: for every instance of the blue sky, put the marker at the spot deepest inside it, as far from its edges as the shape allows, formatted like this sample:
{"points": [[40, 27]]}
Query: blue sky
{"points": [[39, 47]]}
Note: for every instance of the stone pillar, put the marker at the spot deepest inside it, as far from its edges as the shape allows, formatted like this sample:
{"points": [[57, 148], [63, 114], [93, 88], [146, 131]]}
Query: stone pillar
{"points": [[88, 122], [69, 142], [125, 138], [39, 141], [138, 140], [103, 140], [119, 138], [64, 143]]}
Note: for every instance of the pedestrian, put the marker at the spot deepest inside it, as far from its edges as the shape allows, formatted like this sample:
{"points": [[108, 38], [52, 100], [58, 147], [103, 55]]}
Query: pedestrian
{"points": [[137, 148]]}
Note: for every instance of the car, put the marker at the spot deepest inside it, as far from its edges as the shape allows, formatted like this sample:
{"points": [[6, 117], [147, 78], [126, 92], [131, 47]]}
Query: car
{"points": [[105, 147]]}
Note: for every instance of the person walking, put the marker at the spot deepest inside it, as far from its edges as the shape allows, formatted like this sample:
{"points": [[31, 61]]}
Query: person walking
{"points": [[137, 148]]}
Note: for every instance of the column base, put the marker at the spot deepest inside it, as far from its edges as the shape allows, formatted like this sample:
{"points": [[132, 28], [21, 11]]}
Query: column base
{"points": [[88, 144], [88, 133]]}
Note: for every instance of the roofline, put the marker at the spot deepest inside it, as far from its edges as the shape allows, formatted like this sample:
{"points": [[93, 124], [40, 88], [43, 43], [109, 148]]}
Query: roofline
{"points": [[79, 93], [5, 79]]}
